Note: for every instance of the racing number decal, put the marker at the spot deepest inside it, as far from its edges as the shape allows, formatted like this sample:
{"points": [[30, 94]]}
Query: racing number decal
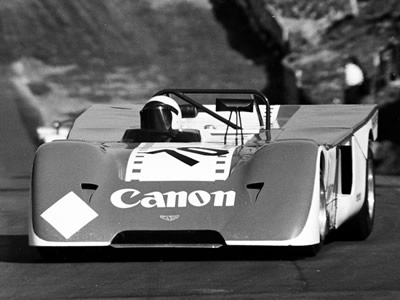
{"points": [[188, 160], [181, 163]]}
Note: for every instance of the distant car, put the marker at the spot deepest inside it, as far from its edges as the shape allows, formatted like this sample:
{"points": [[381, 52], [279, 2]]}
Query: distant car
{"points": [[206, 168]]}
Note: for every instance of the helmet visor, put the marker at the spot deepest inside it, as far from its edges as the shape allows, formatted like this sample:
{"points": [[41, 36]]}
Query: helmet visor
{"points": [[156, 117]]}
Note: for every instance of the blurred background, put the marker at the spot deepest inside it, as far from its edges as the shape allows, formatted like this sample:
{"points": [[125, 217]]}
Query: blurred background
{"points": [[59, 56]]}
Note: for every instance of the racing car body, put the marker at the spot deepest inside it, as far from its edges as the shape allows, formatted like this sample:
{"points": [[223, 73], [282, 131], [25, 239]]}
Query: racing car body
{"points": [[238, 172]]}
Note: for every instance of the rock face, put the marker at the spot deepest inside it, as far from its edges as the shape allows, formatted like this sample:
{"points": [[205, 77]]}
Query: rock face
{"points": [[255, 32], [252, 29]]}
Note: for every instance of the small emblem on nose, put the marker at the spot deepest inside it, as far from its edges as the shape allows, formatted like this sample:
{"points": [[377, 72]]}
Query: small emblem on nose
{"points": [[169, 218]]}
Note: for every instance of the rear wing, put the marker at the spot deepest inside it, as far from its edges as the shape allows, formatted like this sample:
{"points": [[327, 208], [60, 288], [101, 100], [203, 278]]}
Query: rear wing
{"points": [[328, 124]]}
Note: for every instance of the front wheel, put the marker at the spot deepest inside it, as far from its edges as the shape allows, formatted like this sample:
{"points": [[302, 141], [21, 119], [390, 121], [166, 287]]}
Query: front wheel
{"points": [[58, 254], [322, 220]]}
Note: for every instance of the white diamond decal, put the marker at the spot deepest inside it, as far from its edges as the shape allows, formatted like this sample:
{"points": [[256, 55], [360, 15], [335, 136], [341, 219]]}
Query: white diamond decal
{"points": [[69, 215]]}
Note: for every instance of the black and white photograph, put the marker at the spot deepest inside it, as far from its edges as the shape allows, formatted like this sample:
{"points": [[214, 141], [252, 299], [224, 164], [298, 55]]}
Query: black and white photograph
{"points": [[199, 149]]}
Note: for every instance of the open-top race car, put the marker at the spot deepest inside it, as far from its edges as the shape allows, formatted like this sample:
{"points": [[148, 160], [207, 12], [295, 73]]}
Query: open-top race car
{"points": [[206, 168]]}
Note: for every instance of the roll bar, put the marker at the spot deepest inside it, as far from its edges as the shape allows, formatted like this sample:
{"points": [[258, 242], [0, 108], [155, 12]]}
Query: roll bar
{"points": [[259, 97]]}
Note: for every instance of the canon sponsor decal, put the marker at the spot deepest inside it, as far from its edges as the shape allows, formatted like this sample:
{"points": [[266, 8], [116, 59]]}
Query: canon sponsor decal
{"points": [[128, 198]]}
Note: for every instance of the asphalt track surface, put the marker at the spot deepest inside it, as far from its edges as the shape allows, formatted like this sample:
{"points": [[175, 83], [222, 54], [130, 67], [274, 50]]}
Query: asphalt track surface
{"points": [[343, 269]]}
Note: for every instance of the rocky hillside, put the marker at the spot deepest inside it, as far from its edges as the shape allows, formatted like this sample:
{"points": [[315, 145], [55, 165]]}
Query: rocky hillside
{"points": [[179, 43], [76, 52], [322, 35], [117, 31]]}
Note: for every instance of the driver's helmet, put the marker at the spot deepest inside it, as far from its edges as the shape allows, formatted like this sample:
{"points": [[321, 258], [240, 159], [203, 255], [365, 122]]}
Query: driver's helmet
{"points": [[161, 113]]}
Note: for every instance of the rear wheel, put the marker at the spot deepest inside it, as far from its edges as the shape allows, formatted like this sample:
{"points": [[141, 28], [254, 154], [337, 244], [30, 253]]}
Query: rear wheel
{"points": [[361, 225]]}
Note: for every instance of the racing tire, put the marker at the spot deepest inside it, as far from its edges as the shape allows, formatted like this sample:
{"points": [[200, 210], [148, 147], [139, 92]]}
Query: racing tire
{"points": [[50, 253], [360, 226], [313, 250], [57, 254]]}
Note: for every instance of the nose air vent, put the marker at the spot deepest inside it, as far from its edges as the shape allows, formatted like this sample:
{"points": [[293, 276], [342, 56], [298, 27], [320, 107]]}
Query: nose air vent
{"points": [[88, 190], [254, 190], [168, 239]]}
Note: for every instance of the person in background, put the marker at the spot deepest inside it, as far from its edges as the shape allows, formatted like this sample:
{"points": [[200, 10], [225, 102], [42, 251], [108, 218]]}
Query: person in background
{"points": [[356, 81]]}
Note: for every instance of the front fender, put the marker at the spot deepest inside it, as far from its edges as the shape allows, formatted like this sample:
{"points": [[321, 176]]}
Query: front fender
{"points": [[64, 166], [285, 174]]}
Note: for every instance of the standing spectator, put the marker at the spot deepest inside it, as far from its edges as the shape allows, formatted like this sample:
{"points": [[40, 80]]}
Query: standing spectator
{"points": [[356, 81]]}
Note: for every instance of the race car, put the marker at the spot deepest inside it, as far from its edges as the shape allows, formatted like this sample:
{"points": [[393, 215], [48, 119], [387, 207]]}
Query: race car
{"points": [[206, 168]]}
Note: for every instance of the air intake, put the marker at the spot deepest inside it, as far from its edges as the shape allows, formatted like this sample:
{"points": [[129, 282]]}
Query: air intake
{"points": [[168, 239]]}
